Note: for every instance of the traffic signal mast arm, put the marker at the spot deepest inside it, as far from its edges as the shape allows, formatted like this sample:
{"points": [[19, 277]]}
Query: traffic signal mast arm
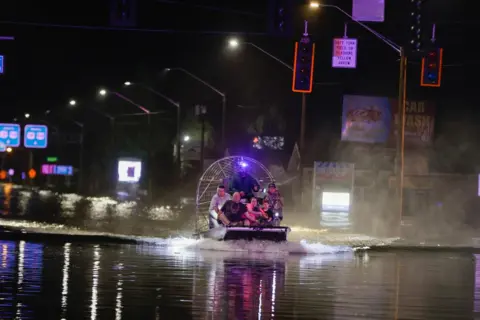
{"points": [[387, 41]]}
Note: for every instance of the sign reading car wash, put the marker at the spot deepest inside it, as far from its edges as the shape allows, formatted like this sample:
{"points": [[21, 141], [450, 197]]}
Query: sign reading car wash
{"points": [[344, 53], [419, 123]]}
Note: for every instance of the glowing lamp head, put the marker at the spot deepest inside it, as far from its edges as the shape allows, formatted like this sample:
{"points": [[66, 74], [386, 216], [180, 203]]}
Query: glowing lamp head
{"points": [[233, 43], [243, 164]]}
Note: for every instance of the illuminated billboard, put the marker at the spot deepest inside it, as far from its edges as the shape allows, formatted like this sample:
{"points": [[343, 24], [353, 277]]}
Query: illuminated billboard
{"points": [[129, 170]]}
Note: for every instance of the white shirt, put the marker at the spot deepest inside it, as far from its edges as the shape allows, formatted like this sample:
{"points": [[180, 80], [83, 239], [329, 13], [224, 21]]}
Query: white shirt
{"points": [[218, 202]]}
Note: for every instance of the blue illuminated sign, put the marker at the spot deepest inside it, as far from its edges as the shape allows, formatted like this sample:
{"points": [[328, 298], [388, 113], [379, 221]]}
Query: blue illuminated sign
{"points": [[55, 169], [35, 136], [10, 134], [1, 64]]}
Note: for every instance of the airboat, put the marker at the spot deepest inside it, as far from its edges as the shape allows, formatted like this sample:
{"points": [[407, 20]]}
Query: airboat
{"points": [[221, 172]]}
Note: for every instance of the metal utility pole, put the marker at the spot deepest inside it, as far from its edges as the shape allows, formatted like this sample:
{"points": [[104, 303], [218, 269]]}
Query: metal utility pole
{"points": [[179, 114], [201, 111], [80, 156], [222, 94], [402, 95], [400, 150]]}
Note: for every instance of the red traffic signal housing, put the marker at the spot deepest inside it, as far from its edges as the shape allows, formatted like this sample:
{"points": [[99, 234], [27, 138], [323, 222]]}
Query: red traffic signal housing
{"points": [[432, 65], [303, 66]]}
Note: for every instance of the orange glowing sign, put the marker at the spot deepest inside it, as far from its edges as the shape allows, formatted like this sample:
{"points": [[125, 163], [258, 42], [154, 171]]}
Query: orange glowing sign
{"points": [[3, 174], [32, 173]]}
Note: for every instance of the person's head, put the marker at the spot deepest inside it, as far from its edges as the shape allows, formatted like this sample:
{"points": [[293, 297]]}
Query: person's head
{"points": [[266, 205], [221, 190], [236, 197], [254, 202], [272, 187]]}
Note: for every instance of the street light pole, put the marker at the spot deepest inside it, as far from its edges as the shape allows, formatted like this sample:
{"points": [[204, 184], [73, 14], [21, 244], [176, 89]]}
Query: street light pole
{"points": [[179, 115], [80, 162], [402, 96], [103, 92], [303, 115], [222, 94]]}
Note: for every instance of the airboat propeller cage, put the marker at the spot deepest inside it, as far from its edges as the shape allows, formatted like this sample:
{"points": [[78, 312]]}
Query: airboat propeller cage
{"points": [[221, 172]]}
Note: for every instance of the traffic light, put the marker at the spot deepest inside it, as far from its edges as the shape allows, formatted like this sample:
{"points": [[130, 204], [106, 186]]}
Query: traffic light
{"points": [[416, 24], [303, 64], [123, 13], [280, 21], [432, 65]]}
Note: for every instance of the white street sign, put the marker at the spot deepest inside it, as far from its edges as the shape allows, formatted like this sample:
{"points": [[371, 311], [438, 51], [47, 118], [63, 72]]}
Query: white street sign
{"points": [[344, 53], [368, 10]]}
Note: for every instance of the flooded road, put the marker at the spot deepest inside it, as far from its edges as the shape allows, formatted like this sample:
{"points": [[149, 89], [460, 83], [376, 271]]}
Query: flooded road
{"points": [[171, 281]]}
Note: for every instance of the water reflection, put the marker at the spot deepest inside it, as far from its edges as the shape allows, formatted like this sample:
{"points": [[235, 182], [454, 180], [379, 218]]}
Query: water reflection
{"points": [[245, 289], [74, 281], [95, 276], [65, 278]]}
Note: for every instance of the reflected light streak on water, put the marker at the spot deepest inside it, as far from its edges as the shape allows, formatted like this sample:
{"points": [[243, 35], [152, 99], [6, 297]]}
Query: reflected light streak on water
{"points": [[4, 255], [476, 307], [274, 291], [95, 276], [20, 270], [118, 298], [260, 300], [153, 284], [66, 270]]}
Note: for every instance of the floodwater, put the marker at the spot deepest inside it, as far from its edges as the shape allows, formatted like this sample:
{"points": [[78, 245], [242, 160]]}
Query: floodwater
{"points": [[176, 280]]}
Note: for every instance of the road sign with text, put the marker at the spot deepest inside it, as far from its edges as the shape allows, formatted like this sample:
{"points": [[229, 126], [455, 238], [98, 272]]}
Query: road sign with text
{"points": [[368, 10], [344, 53], [35, 136], [10, 134]]}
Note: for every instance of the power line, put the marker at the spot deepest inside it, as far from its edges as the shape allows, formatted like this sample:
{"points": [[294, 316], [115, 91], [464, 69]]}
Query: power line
{"points": [[100, 28]]}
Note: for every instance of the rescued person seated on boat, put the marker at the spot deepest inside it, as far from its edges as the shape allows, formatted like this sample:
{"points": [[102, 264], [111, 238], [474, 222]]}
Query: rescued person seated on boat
{"points": [[244, 183], [233, 212], [217, 202], [275, 200], [255, 210], [266, 208]]}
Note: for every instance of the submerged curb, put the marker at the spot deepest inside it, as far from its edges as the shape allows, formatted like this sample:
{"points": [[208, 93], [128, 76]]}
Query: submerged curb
{"points": [[16, 234]]}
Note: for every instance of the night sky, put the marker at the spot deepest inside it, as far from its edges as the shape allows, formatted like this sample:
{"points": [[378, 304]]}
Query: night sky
{"points": [[68, 49]]}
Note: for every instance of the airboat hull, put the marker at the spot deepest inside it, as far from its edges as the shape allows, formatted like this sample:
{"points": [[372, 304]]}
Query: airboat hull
{"points": [[275, 234]]}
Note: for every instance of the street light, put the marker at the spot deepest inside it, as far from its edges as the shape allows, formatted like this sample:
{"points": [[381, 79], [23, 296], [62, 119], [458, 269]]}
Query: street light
{"points": [[186, 138], [104, 92], [233, 43], [172, 102], [9, 149], [314, 5], [72, 102], [27, 115], [220, 93]]}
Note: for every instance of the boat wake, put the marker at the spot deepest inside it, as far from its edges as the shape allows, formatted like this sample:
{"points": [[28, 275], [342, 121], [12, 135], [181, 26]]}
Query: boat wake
{"points": [[327, 243], [183, 245]]}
